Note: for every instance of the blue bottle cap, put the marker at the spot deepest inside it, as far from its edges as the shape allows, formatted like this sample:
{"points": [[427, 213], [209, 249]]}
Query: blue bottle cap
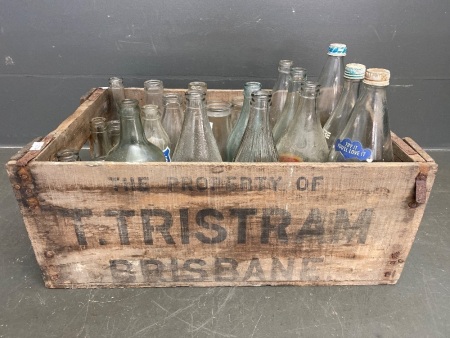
{"points": [[337, 49], [354, 71]]}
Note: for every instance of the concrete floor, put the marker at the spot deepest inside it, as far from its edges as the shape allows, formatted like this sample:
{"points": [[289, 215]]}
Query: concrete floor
{"points": [[418, 306]]}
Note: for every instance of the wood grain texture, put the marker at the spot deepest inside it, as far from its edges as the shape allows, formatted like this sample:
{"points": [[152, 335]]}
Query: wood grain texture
{"points": [[103, 224]]}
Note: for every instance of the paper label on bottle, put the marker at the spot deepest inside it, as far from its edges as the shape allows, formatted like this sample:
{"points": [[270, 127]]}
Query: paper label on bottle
{"points": [[166, 153], [353, 149]]}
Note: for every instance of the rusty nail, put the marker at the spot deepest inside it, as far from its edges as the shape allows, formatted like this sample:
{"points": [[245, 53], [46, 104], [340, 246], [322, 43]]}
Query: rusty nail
{"points": [[387, 274], [16, 186], [401, 261], [49, 254], [413, 204]]}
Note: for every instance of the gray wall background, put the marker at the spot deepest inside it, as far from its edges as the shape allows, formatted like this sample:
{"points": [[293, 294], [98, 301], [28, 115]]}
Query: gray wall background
{"points": [[52, 52]]}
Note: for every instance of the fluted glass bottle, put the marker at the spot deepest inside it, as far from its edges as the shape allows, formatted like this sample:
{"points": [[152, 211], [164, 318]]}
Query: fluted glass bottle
{"points": [[172, 120], [133, 145], [257, 144], [99, 140], [331, 81], [367, 135], [304, 140], [196, 143], [219, 116], [297, 76], [235, 138], [354, 73], [154, 131], [279, 91], [116, 96], [153, 93]]}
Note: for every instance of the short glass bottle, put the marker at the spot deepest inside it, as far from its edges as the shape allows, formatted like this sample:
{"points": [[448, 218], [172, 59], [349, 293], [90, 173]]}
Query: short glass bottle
{"points": [[257, 143], [153, 93], [219, 116], [113, 128], [236, 107], [68, 155], [133, 145], [367, 136], [235, 138], [304, 140], [196, 143], [354, 73], [297, 76], [279, 91], [173, 116], [116, 96], [331, 81], [99, 140], [153, 129]]}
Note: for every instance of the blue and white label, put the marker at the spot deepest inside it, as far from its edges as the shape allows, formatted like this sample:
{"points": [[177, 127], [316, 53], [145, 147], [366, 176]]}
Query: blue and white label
{"points": [[166, 153], [353, 149]]}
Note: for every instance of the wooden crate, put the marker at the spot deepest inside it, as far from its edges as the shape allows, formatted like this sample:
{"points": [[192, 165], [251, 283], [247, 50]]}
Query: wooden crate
{"points": [[104, 224]]}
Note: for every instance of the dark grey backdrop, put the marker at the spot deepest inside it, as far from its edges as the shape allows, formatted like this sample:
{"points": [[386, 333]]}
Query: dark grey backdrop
{"points": [[51, 52]]}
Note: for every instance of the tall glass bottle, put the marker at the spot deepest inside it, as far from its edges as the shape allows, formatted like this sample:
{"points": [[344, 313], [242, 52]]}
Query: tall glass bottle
{"points": [[331, 81], [279, 91], [354, 73], [367, 136], [196, 143], [257, 143], [153, 129], [133, 145], [172, 120], [235, 138], [297, 76], [219, 116], [236, 107], [153, 90], [116, 96], [304, 140], [99, 140]]}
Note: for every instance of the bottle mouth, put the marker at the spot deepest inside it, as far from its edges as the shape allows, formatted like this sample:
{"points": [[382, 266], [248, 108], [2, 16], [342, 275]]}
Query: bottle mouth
{"points": [[285, 66], [198, 85], [98, 124], [251, 87], [153, 84], [115, 82], [129, 108], [150, 112], [310, 89], [218, 109], [171, 98], [262, 95]]}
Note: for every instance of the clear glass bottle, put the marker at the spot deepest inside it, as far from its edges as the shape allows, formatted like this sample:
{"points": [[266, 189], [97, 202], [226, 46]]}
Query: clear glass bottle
{"points": [[153, 129], [235, 138], [331, 81], [99, 140], [68, 155], [133, 145], [199, 86], [297, 76], [153, 93], [219, 116], [257, 143], [354, 73], [113, 128], [304, 140], [236, 107], [279, 91], [367, 136], [196, 143], [116, 96], [173, 116]]}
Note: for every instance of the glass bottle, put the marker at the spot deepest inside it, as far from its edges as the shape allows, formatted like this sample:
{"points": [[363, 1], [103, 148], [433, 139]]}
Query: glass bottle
{"points": [[116, 95], [279, 91], [235, 138], [113, 128], [297, 76], [354, 73], [236, 107], [331, 81], [153, 129], [68, 155], [199, 86], [196, 143], [257, 143], [367, 136], [219, 116], [153, 90], [133, 146], [99, 140], [304, 140], [172, 120]]}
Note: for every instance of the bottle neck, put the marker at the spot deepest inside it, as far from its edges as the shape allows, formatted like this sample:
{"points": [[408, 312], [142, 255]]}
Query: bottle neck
{"points": [[295, 86], [351, 87], [259, 114], [131, 130], [375, 96], [335, 65]]}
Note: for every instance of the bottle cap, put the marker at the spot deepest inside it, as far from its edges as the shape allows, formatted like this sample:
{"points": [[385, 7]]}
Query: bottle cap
{"points": [[377, 77], [337, 49], [354, 71]]}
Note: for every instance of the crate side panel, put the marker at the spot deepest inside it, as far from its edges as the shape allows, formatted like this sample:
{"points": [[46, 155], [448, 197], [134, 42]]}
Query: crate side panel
{"points": [[210, 224]]}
